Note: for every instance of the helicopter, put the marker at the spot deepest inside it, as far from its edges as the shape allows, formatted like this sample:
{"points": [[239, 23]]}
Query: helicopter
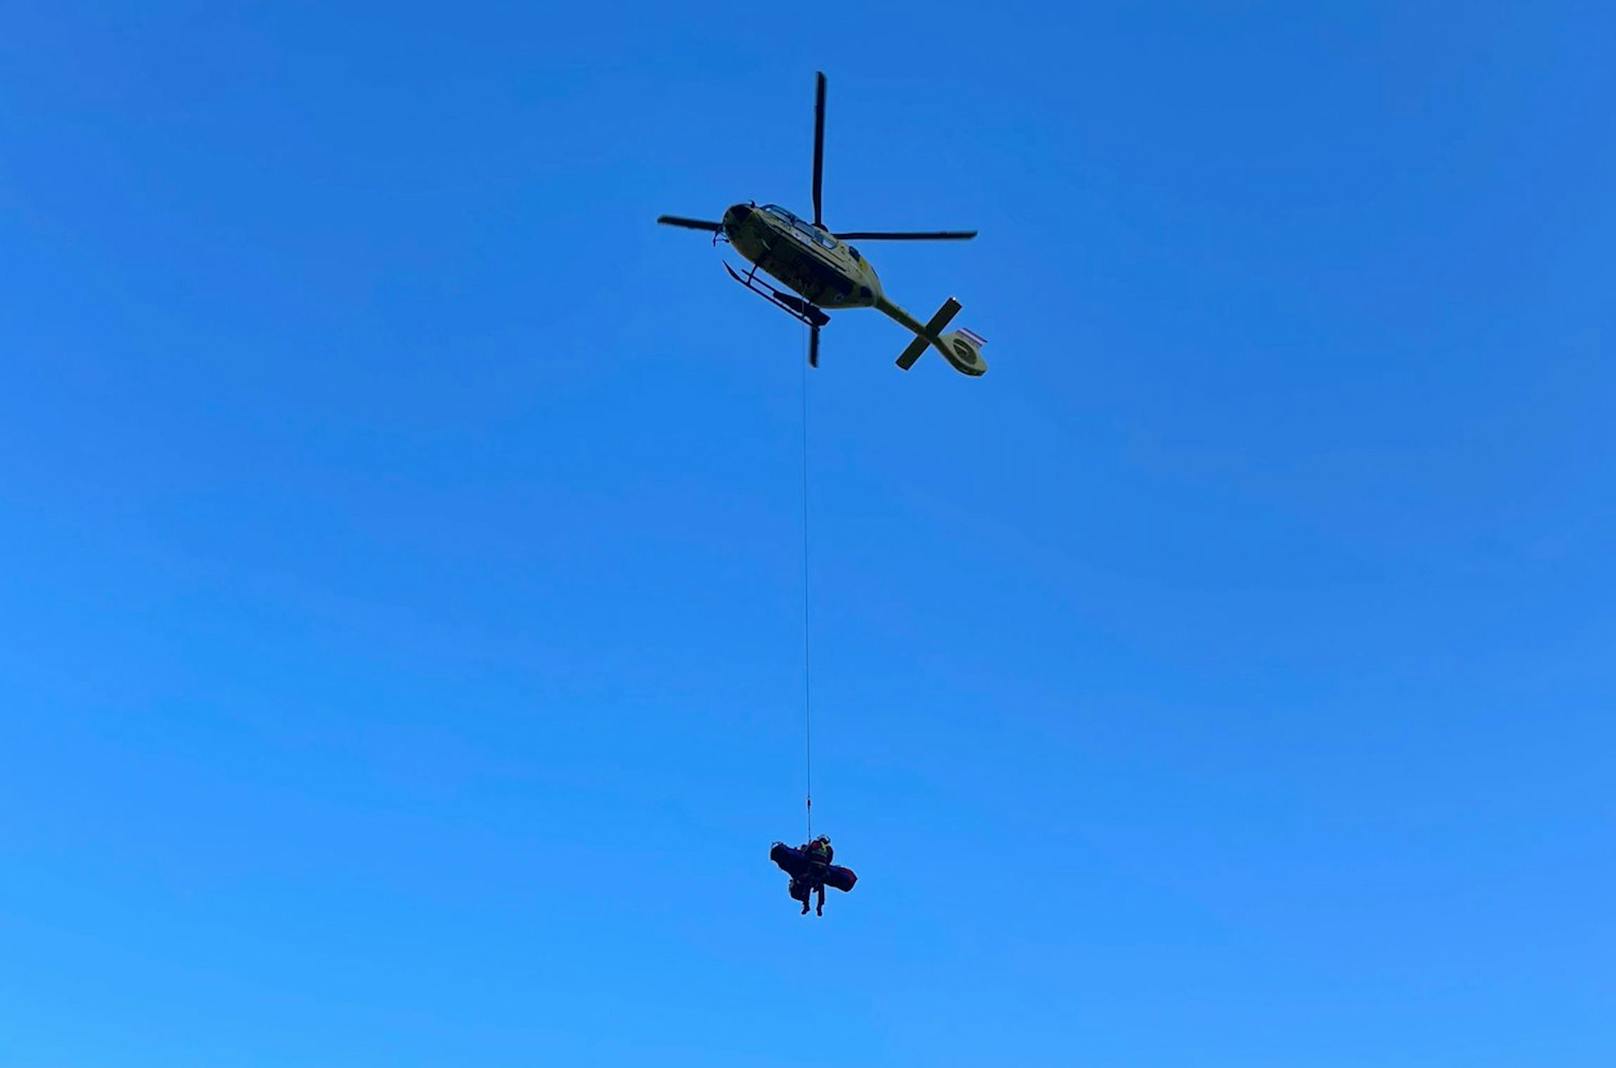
{"points": [[823, 271]]}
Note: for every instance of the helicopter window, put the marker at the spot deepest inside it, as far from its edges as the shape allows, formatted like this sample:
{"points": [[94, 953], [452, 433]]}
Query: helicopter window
{"points": [[820, 237], [780, 213], [853, 252]]}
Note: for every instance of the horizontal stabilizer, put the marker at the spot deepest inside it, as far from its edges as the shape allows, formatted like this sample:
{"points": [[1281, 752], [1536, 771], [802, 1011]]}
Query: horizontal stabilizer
{"points": [[944, 315]]}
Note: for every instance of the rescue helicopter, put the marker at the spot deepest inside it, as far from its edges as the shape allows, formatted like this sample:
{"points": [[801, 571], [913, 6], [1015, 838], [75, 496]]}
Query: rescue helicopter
{"points": [[823, 271]]}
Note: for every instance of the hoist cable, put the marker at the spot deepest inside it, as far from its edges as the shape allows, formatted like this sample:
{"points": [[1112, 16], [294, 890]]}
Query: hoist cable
{"points": [[807, 676]]}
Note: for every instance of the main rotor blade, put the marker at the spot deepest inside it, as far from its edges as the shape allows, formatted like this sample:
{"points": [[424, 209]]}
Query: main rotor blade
{"points": [[689, 224], [907, 235], [813, 346], [819, 147]]}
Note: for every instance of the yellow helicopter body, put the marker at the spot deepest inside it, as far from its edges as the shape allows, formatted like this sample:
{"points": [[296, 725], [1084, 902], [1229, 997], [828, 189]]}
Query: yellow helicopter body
{"points": [[822, 270]]}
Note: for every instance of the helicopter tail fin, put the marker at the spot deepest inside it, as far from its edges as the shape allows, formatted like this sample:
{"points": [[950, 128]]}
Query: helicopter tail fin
{"points": [[963, 349]]}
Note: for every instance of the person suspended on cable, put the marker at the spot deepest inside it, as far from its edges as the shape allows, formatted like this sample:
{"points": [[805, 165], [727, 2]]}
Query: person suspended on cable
{"points": [[819, 854], [801, 888], [811, 870]]}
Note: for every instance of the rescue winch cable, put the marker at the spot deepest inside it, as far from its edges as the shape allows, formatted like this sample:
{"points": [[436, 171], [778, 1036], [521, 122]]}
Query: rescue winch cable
{"points": [[807, 663]]}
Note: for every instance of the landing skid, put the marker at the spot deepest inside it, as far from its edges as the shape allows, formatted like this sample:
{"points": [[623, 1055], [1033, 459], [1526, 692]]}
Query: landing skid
{"points": [[796, 307]]}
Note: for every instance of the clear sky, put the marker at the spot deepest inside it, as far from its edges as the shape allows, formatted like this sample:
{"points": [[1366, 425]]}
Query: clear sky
{"points": [[400, 536]]}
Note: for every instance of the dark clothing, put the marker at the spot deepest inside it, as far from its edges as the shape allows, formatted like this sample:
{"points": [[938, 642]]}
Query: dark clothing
{"points": [[802, 888], [810, 873]]}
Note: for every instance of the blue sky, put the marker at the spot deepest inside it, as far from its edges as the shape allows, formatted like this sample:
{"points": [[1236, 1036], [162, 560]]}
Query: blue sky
{"points": [[402, 594]]}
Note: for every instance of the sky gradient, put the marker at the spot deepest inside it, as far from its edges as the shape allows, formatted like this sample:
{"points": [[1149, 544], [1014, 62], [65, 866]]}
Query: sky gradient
{"points": [[402, 591]]}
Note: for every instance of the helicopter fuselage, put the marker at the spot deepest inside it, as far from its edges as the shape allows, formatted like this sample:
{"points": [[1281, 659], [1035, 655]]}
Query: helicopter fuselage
{"points": [[827, 272], [824, 270]]}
